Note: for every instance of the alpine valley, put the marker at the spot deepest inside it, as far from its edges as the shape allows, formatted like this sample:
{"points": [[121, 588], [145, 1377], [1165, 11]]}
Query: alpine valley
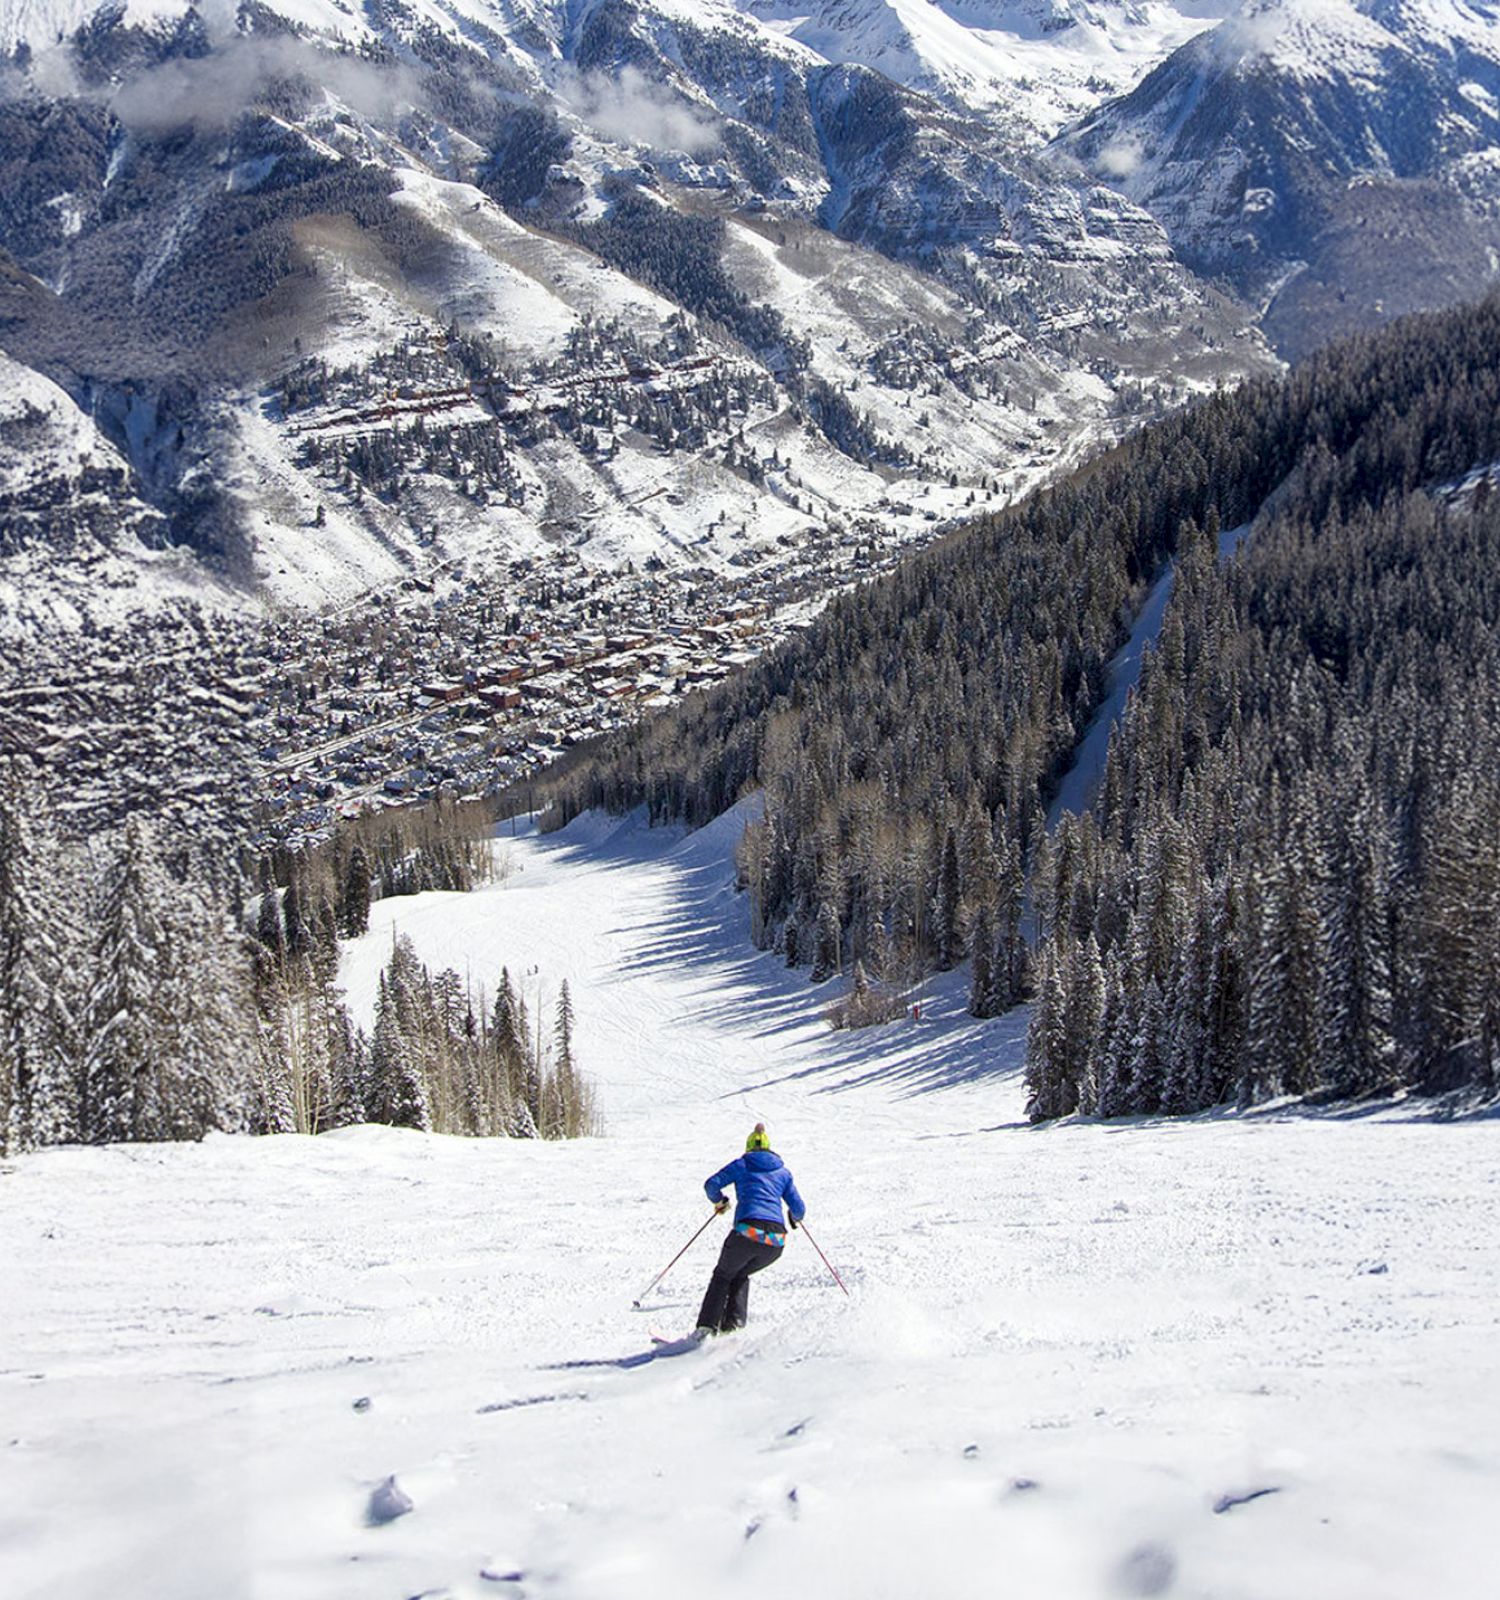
{"points": [[515, 326]]}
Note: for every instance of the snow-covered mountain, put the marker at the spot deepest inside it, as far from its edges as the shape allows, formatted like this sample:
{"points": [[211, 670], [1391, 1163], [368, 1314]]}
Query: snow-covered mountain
{"points": [[73, 533], [1035, 64], [408, 289], [1354, 139], [416, 288]]}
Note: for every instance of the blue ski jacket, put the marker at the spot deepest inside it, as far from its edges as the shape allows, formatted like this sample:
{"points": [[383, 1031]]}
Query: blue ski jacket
{"points": [[761, 1181]]}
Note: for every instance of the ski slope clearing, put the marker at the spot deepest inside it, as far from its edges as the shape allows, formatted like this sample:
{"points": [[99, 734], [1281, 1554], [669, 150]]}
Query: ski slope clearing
{"points": [[1238, 1357], [1081, 782]]}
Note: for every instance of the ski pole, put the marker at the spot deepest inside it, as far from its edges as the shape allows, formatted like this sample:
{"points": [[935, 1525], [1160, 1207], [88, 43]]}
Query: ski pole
{"points": [[675, 1259], [824, 1259]]}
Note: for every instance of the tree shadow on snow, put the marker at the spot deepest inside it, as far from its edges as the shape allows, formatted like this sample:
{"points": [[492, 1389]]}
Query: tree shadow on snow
{"points": [[704, 937]]}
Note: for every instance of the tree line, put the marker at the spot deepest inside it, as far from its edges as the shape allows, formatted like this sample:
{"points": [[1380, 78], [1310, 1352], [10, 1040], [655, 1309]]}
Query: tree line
{"points": [[142, 999]]}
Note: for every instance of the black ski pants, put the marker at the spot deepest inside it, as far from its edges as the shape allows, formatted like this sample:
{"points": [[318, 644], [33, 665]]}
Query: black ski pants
{"points": [[727, 1302]]}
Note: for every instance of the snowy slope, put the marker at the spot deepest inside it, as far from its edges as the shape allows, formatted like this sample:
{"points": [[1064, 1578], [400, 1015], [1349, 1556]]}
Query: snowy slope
{"points": [[1241, 1357], [1035, 63]]}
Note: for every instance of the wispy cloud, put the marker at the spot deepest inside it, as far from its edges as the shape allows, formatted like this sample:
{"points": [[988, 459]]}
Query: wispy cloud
{"points": [[1120, 157], [630, 108], [207, 92]]}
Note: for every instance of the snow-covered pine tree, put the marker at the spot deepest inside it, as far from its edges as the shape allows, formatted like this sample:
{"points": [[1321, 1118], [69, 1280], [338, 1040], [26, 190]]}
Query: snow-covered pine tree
{"points": [[877, 939], [347, 1052], [127, 1024], [509, 1043], [522, 1123], [1285, 980], [531, 1069], [947, 908], [1082, 1017], [1046, 1038], [354, 894], [268, 926], [1114, 1065], [296, 923], [1012, 957], [1228, 1006], [1148, 1063], [1188, 1040], [979, 862], [168, 1052], [1455, 944], [445, 1052], [39, 977], [395, 1094], [208, 1043]]}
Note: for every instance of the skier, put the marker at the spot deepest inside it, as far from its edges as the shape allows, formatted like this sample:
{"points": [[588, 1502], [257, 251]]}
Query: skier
{"points": [[761, 1181]]}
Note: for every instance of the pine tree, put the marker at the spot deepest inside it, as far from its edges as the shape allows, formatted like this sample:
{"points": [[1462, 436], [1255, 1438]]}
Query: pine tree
{"points": [[1227, 1011], [947, 926], [396, 1094], [1082, 1018], [39, 952], [1188, 1039], [268, 927], [522, 1122], [208, 1041], [347, 1050], [1046, 1039], [1148, 1065], [1114, 1066], [354, 895], [1011, 957], [1358, 1047], [127, 1021], [1285, 980], [298, 932], [571, 1111], [982, 967], [826, 944]]}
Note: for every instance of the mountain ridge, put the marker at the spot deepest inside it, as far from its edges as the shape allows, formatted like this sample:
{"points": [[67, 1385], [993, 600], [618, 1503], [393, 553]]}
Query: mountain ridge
{"points": [[220, 197]]}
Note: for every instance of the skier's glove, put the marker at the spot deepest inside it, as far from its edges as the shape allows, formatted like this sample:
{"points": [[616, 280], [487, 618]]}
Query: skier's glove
{"points": [[791, 1222], [721, 1206]]}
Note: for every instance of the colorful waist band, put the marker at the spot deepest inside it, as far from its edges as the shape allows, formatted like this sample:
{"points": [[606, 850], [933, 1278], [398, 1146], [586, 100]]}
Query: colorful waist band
{"points": [[775, 1237]]}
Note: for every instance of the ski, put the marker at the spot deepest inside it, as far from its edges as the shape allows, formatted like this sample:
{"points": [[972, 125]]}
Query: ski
{"points": [[667, 1346]]}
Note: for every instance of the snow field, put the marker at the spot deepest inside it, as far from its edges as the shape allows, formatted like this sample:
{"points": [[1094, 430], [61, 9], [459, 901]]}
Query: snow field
{"points": [[1065, 1348]]}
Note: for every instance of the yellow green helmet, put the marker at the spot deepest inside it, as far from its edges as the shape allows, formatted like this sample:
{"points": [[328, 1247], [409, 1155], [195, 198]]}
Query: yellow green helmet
{"points": [[759, 1139]]}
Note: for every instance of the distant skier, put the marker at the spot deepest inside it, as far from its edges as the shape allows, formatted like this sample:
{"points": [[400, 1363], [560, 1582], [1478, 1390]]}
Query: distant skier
{"points": [[761, 1182]]}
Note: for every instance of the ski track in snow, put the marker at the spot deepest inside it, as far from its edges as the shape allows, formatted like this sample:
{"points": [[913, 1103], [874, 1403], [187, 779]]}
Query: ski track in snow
{"points": [[1080, 784], [1238, 1357]]}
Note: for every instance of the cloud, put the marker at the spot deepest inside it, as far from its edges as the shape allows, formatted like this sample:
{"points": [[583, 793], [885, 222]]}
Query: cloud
{"points": [[209, 92], [1120, 157], [53, 73], [632, 109]]}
